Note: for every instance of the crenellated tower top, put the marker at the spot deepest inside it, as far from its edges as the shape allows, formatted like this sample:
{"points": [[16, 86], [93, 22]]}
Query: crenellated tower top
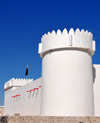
{"points": [[63, 40]]}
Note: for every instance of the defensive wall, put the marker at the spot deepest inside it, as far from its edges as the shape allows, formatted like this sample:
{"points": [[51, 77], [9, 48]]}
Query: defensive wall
{"points": [[46, 119], [24, 100]]}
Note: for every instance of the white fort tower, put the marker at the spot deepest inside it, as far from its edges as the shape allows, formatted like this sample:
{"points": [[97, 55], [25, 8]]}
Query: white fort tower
{"points": [[67, 74]]}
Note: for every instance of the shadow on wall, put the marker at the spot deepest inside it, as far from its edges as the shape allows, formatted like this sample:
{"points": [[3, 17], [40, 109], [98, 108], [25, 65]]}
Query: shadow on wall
{"points": [[94, 74]]}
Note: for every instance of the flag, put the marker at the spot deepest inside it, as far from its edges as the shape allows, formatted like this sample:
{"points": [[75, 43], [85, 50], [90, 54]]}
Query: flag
{"points": [[26, 71]]}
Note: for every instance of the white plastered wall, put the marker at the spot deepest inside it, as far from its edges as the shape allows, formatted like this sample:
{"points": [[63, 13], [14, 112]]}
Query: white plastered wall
{"points": [[67, 84], [97, 89], [28, 103], [67, 78]]}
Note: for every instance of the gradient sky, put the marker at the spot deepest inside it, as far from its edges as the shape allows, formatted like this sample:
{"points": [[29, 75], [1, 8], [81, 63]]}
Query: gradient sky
{"points": [[23, 22]]}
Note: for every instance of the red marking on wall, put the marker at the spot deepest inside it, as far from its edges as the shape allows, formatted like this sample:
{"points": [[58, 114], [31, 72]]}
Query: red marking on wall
{"points": [[16, 96], [7, 88], [40, 86], [36, 88], [27, 91], [32, 89]]}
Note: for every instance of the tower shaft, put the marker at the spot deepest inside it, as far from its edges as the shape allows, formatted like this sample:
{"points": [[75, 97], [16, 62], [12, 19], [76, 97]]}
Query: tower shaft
{"points": [[67, 78]]}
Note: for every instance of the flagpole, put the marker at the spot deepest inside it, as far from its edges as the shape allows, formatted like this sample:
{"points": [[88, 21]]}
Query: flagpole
{"points": [[26, 74], [27, 79]]}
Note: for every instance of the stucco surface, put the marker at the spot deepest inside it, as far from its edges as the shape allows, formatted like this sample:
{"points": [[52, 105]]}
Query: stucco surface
{"points": [[97, 89], [72, 39], [67, 84], [67, 76], [27, 103]]}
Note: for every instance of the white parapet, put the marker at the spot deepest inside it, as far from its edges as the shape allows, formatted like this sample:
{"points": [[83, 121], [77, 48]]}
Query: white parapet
{"points": [[67, 79], [78, 39], [13, 83]]}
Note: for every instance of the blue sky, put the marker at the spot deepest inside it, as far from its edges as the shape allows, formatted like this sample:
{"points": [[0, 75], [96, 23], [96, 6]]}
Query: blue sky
{"points": [[23, 22]]}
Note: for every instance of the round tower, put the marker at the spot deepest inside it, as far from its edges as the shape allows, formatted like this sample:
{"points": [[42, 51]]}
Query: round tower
{"points": [[67, 79]]}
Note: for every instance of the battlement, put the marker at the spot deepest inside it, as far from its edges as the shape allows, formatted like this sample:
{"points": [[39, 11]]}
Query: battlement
{"points": [[74, 39], [16, 83]]}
